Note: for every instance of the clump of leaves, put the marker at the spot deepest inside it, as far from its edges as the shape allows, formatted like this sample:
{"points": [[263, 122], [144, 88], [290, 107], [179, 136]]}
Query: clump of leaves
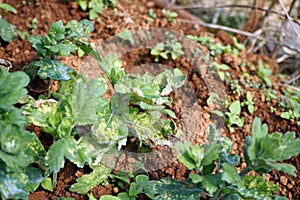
{"points": [[216, 174], [233, 116], [136, 187], [7, 31], [170, 15], [249, 103], [216, 48], [136, 109], [95, 7], [60, 41], [291, 109], [171, 47], [18, 147], [221, 70]]}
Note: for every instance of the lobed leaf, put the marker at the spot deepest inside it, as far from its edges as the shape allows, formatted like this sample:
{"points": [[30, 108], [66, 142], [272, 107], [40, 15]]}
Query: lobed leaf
{"points": [[88, 181]]}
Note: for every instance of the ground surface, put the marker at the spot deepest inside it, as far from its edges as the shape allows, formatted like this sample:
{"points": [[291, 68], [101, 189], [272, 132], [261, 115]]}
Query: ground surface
{"points": [[196, 117]]}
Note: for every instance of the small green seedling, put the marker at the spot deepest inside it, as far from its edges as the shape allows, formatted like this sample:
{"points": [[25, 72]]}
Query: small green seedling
{"points": [[220, 68], [170, 47], [264, 73], [249, 103], [138, 186], [33, 24], [170, 15], [95, 7], [152, 14], [233, 116]]}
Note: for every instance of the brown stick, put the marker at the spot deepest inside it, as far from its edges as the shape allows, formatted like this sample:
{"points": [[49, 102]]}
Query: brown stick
{"points": [[254, 19]]}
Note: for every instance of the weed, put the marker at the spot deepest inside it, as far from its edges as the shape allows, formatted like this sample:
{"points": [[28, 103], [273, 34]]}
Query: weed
{"points": [[170, 15], [170, 47], [264, 73], [249, 103], [95, 7]]}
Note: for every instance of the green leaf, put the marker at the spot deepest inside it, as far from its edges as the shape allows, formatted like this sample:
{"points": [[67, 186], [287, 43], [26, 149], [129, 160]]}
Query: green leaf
{"points": [[77, 30], [8, 7], [285, 168], [62, 49], [173, 189], [127, 36], [190, 156], [58, 151], [12, 87], [235, 107], [211, 183], [231, 176], [109, 197], [258, 129], [47, 184], [83, 101], [88, 181], [218, 112], [264, 149], [83, 4], [7, 30], [53, 69], [57, 27]]}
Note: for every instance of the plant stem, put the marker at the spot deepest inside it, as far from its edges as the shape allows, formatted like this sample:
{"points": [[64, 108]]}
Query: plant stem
{"points": [[245, 171], [216, 195], [54, 181], [48, 86]]}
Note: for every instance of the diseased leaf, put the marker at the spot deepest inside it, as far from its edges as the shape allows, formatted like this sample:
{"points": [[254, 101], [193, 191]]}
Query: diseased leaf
{"points": [[84, 98], [12, 87], [60, 150], [173, 189], [53, 69], [88, 181], [7, 31]]}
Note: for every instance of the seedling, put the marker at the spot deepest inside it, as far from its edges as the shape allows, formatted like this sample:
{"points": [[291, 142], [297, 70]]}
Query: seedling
{"points": [[233, 116], [249, 103], [138, 186], [95, 7], [151, 13], [264, 73], [60, 41], [170, 15], [170, 47], [291, 109], [33, 24], [220, 68]]}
